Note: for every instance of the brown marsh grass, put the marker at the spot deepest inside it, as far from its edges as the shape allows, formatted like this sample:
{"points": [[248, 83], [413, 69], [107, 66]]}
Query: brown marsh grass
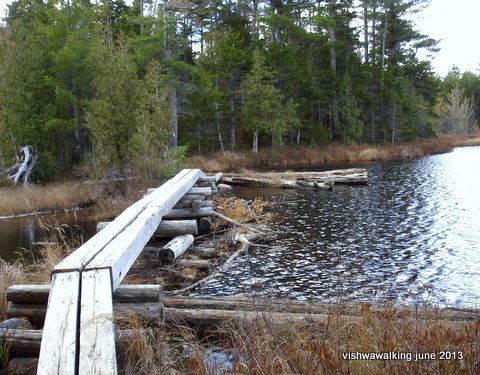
{"points": [[52, 197], [405, 341], [331, 154]]}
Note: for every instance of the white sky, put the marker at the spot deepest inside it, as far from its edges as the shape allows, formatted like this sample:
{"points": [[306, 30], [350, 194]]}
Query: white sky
{"points": [[454, 22]]}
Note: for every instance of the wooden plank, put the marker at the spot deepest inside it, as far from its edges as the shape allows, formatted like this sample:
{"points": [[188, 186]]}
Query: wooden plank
{"points": [[97, 335], [83, 255], [58, 350], [123, 250]]}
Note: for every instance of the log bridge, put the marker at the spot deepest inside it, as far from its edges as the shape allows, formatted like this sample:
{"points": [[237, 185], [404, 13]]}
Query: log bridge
{"points": [[78, 334]]}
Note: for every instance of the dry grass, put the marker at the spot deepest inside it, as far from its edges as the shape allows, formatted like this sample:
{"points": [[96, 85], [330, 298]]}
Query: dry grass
{"points": [[10, 274], [285, 347], [245, 212], [331, 154], [54, 196]]}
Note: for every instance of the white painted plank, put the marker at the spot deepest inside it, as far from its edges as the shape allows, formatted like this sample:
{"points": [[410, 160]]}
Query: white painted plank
{"points": [[58, 347], [83, 255], [122, 252], [97, 336]]}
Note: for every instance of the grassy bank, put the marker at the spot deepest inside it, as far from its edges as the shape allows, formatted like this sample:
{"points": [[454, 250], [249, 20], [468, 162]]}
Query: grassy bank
{"points": [[331, 154], [105, 198]]}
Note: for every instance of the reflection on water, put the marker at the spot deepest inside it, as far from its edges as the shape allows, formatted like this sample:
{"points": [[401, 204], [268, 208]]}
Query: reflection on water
{"points": [[22, 233], [416, 223]]}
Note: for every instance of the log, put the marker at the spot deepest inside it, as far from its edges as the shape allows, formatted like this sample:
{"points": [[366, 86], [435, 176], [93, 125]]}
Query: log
{"points": [[38, 294], [191, 197], [26, 343], [276, 183], [168, 228], [193, 190], [194, 204], [174, 249], [202, 264], [205, 224], [188, 213], [203, 304], [215, 178]]}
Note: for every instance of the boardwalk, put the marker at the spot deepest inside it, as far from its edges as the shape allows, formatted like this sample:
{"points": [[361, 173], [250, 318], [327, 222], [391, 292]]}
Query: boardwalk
{"points": [[78, 335]]}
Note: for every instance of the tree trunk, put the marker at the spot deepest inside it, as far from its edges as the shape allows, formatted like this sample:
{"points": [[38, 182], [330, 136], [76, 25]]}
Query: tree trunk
{"points": [[219, 129]]}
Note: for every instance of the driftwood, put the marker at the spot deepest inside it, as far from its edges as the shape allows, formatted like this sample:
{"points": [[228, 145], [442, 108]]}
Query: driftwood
{"points": [[302, 180], [23, 168], [283, 183], [167, 228], [174, 249]]}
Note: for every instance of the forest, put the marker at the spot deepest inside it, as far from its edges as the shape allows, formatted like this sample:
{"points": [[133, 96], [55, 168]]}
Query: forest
{"points": [[129, 89]]}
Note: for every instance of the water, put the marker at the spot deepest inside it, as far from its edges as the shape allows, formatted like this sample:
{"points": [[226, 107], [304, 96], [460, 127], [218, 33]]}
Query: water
{"points": [[21, 234], [412, 233]]}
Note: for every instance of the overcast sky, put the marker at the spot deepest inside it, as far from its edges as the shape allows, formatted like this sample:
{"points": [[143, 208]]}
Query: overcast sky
{"points": [[455, 23]]}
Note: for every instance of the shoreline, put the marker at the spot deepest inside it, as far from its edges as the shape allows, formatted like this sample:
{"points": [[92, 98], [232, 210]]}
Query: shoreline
{"points": [[73, 195], [292, 157]]}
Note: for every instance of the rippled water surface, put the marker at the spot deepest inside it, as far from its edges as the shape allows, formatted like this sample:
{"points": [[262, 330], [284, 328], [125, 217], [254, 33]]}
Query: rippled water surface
{"points": [[416, 223]]}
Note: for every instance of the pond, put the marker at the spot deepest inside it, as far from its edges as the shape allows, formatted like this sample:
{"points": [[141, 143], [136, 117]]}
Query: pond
{"points": [[23, 234], [415, 227], [412, 233]]}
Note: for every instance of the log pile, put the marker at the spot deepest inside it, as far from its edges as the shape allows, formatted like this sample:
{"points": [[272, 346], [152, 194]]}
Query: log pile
{"points": [[301, 180]]}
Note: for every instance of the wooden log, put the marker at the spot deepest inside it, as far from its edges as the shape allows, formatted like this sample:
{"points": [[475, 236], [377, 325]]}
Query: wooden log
{"points": [[174, 249], [147, 310], [275, 183], [38, 294], [202, 264], [191, 197], [188, 213], [26, 343], [168, 228], [194, 204], [205, 224], [215, 178]]}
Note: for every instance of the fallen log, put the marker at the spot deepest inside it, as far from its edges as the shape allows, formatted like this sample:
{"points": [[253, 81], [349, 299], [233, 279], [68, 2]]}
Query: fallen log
{"points": [[32, 294], [167, 228], [205, 223], [174, 249], [275, 183], [201, 264], [26, 343], [143, 301], [351, 176]]}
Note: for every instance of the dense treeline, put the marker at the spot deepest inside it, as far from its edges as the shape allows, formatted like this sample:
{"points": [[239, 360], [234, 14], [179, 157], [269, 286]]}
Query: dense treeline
{"points": [[127, 89]]}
